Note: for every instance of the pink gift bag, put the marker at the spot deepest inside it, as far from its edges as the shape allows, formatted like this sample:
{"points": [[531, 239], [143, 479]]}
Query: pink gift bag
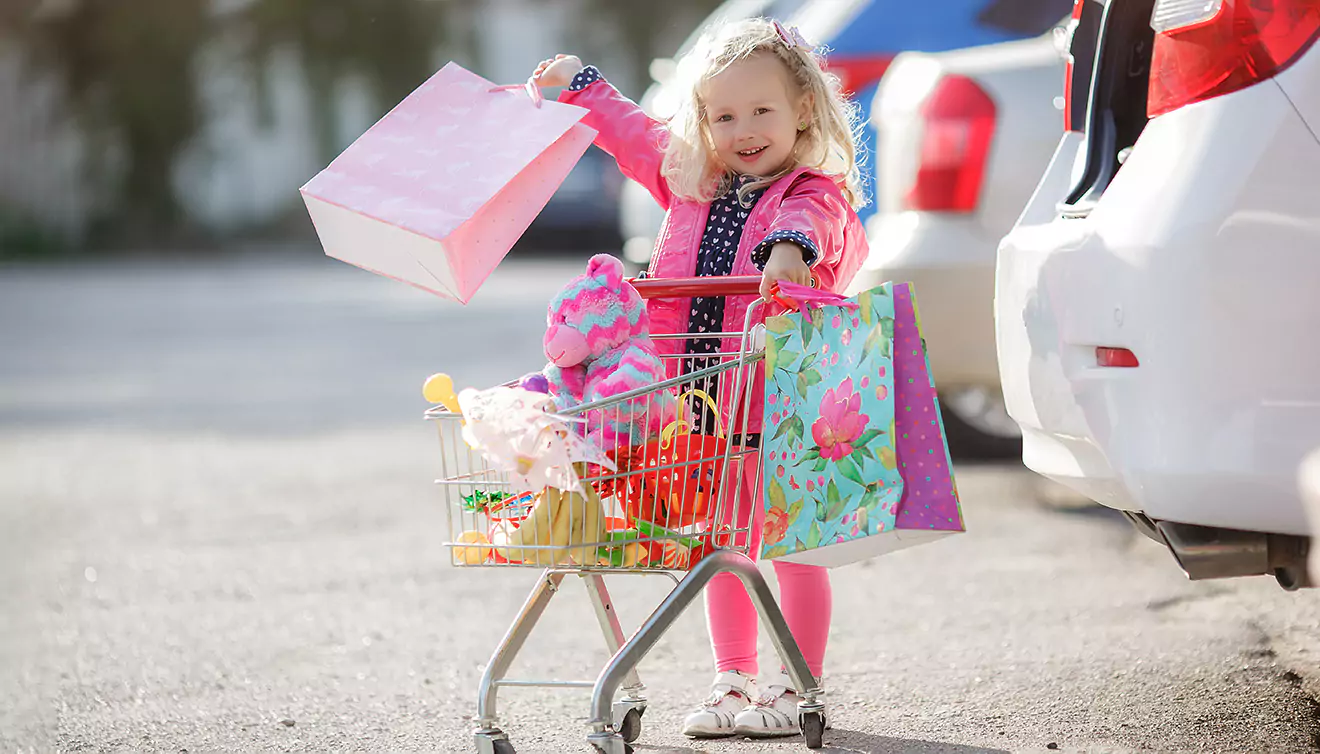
{"points": [[929, 508], [437, 192]]}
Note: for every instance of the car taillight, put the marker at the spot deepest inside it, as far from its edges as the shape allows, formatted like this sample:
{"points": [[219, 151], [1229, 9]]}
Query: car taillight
{"points": [[958, 122], [855, 73], [1205, 48], [1106, 356], [1065, 42]]}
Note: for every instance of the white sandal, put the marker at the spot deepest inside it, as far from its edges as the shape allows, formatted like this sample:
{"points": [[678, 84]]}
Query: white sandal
{"points": [[730, 694], [774, 714]]}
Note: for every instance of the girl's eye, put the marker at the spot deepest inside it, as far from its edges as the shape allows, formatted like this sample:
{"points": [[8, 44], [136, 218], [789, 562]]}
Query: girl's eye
{"points": [[761, 110], [724, 118]]}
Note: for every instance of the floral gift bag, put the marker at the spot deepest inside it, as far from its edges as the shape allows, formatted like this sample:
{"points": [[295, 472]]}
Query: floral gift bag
{"points": [[855, 459]]}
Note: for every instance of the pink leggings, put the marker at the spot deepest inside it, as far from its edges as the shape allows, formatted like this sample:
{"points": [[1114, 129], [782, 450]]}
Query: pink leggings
{"points": [[804, 596]]}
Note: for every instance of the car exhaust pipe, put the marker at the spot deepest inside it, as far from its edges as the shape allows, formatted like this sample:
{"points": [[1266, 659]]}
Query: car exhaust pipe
{"points": [[1205, 552]]}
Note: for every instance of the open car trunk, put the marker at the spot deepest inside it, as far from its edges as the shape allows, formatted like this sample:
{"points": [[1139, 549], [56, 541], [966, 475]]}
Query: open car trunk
{"points": [[1113, 88]]}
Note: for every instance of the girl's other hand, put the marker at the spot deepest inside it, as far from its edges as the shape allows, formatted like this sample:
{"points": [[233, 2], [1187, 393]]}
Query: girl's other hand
{"points": [[785, 263], [558, 71]]}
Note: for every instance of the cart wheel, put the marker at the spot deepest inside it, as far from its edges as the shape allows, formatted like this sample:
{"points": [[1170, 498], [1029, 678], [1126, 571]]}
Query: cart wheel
{"points": [[493, 741], [631, 727], [813, 729]]}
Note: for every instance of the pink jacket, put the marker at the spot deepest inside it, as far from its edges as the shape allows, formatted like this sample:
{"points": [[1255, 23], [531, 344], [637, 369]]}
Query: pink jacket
{"points": [[805, 200]]}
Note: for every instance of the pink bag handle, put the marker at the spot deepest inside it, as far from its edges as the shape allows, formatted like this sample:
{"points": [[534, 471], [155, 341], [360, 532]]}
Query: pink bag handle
{"points": [[803, 297], [533, 90]]}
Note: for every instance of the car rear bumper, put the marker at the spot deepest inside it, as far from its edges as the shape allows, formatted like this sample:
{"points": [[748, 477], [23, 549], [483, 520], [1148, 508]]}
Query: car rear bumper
{"points": [[1202, 258], [950, 260]]}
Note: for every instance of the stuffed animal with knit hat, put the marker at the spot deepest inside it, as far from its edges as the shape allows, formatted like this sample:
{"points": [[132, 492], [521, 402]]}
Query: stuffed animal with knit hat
{"points": [[598, 343]]}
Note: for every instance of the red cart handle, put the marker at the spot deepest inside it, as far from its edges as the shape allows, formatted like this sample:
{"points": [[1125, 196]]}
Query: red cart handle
{"points": [[728, 285]]}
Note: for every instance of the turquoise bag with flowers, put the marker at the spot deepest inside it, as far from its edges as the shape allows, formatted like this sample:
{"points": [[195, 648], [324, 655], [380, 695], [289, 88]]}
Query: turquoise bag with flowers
{"points": [[831, 469]]}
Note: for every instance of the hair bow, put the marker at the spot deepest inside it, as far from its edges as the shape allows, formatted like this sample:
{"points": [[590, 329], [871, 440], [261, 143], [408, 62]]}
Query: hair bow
{"points": [[791, 37]]}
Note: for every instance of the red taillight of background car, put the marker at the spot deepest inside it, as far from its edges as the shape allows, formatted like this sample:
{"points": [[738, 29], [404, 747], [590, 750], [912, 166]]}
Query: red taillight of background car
{"points": [[1205, 49], [958, 123], [1065, 42], [857, 72]]}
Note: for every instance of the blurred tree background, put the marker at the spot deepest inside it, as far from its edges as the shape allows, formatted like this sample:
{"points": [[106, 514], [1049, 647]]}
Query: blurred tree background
{"points": [[127, 83], [126, 70], [389, 42]]}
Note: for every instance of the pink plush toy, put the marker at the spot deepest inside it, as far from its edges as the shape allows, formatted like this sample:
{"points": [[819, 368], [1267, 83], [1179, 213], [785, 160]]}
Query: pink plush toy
{"points": [[598, 344]]}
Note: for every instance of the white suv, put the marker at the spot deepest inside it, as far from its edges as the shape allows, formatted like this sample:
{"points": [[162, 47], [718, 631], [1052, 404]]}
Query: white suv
{"points": [[1158, 302]]}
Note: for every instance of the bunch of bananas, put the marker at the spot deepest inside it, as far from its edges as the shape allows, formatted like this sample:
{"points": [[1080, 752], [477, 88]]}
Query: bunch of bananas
{"points": [[562, 526]]}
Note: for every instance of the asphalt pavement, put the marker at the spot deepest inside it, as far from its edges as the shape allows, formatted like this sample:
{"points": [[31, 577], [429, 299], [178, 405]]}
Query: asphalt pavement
{"points": [[218, 532]]}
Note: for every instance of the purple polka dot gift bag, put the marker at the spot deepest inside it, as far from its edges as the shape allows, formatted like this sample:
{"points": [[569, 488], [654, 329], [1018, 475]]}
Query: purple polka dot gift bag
{"points": [[855, 459]]}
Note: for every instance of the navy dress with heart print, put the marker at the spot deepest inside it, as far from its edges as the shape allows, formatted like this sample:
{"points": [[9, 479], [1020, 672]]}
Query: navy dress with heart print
{"points": [[715, 256]]}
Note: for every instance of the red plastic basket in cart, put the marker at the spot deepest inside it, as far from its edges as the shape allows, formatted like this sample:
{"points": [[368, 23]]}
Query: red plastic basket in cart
{"points": [[672, 481]]}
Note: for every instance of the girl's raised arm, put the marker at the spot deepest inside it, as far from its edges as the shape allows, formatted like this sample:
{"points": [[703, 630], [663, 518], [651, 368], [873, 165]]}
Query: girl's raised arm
{"points": [[634, 139]]}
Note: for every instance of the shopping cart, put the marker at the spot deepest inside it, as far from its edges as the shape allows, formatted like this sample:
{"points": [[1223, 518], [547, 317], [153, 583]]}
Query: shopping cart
{"points": [[671, 507]]}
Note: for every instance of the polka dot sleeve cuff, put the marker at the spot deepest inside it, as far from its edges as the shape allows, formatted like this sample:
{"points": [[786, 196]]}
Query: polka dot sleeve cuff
{"points": [[761, 254], [585, 78]]}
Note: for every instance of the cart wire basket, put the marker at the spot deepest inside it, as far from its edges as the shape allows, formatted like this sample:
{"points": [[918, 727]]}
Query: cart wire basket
{"points": [[677, 504]]}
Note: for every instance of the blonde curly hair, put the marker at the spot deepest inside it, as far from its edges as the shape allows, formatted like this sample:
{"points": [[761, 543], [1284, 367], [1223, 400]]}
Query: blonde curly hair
{"points": [[829, 143]]}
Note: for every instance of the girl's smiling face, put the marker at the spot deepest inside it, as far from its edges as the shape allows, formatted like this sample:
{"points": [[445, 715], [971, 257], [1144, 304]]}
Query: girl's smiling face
{"points": [[752, 113]]}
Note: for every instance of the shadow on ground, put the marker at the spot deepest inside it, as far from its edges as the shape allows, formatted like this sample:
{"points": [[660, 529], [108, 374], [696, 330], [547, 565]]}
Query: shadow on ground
{"points": [[839, 741]]}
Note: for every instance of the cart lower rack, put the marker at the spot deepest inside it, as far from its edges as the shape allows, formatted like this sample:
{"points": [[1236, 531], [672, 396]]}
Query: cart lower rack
{"points": [[677, 504]]}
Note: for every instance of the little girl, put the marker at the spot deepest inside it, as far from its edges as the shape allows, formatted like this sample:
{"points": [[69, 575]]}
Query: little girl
{"points": [[758, 172]]}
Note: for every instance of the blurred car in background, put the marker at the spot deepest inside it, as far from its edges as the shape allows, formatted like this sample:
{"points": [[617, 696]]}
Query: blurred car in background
{"points": [[1155, 303], [861, 38], [582, 215], [962, 138]]}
